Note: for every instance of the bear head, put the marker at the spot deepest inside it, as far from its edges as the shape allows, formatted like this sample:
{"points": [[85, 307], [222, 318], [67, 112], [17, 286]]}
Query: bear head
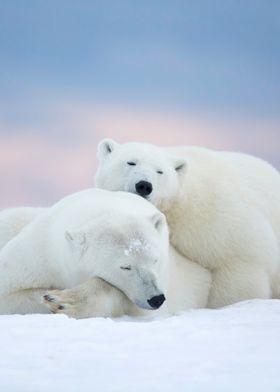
{"points": [[129, 251], [140, 168]]}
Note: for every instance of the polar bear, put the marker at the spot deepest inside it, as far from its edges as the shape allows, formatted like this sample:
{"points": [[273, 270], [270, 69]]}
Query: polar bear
{"points": [[222, 209], [105, 253]]}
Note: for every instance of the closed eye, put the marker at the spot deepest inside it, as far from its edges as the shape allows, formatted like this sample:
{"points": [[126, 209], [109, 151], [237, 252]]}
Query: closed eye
{"points": [[159, 172], [126, 267], [131, 163]]}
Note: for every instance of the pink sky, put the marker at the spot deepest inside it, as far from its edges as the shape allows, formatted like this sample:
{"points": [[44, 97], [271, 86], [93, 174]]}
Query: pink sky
{"points": [[42, 163]]}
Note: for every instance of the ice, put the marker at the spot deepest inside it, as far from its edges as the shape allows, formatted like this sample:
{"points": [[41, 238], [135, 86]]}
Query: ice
{"points": [[231, 349]]}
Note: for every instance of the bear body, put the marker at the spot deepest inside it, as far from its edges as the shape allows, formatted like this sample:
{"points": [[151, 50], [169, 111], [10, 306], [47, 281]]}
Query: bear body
{"points": [[222, 208], [13, 220], [95, 253]]}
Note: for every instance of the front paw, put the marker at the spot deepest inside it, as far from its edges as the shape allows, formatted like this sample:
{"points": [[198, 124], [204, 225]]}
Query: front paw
{"points": [[57, 301]]}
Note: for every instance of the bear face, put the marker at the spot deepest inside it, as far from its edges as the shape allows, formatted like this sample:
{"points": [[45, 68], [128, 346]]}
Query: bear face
{"points": [[132, 257], [139, 168]]}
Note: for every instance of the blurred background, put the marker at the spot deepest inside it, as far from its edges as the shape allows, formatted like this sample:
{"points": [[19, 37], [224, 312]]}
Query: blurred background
{"points": [[168, 72]]}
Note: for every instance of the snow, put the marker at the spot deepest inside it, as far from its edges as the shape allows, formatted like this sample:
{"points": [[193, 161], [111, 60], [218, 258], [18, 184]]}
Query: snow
{"points": [[136, 245], [231, 349]]}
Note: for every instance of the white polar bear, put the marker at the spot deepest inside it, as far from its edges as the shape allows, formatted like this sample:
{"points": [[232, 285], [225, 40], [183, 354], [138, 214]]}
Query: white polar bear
{"points": [[222, 208], [109, 251]]}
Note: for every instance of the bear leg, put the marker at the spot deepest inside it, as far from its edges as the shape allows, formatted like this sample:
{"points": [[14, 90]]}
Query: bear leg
{"points": [[238, 282], [94, 298]]}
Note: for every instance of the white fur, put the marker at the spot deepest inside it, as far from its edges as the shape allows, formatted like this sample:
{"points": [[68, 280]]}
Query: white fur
{"points": [[83, 246], [222, 208], [13, 220], [187, 288]]}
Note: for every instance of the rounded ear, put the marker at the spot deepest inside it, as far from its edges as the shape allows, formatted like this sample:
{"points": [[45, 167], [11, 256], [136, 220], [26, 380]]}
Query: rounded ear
{"points": [[77, 238], [159, 221], [106, 147]]}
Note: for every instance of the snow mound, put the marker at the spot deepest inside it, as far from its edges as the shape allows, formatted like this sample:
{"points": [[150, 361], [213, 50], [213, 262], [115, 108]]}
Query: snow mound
{"points": [[236, 348]]}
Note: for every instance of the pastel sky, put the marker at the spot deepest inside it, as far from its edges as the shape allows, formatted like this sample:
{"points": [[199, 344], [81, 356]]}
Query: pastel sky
{"points": [[200, 72]]}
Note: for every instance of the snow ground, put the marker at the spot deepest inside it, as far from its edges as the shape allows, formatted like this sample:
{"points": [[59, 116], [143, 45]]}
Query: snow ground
{"points": [[232, 349]]}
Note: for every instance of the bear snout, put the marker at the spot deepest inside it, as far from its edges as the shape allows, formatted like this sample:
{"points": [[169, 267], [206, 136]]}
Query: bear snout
{"points": [[156, 301], [144, 188]]}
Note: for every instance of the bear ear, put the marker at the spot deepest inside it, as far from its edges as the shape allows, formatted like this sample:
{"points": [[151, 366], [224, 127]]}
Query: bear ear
{"points": [[158, 221], [180, 165], [77, 238], [106, 147]]}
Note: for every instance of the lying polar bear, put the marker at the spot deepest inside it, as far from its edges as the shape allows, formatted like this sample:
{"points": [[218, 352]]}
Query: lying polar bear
{"points": [[222, 208], [109, 251]]}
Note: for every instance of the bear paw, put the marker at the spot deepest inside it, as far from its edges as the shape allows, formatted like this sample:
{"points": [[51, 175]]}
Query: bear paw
{"points": [[58, 301]]}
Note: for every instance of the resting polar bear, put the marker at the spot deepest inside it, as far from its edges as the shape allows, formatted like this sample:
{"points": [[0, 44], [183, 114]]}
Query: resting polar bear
{"points": [[83, 242], [222, 208]]}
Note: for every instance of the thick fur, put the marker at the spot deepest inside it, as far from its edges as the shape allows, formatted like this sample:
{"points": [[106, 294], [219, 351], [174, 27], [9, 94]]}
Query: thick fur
{"points": [[222, 208], [13, 220], [84, 242], [188, 288]]}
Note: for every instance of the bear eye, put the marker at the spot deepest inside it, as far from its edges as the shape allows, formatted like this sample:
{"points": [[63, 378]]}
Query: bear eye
{"points": [[126, 267], [131, 163], [159, 172]]}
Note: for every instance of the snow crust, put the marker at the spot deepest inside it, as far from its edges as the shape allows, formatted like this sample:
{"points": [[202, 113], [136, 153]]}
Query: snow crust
{"points": [[231, 349]]}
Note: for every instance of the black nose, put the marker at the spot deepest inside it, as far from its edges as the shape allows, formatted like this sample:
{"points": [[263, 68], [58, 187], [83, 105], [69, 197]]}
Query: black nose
{"points": [[157, 301], [144, 188]]}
